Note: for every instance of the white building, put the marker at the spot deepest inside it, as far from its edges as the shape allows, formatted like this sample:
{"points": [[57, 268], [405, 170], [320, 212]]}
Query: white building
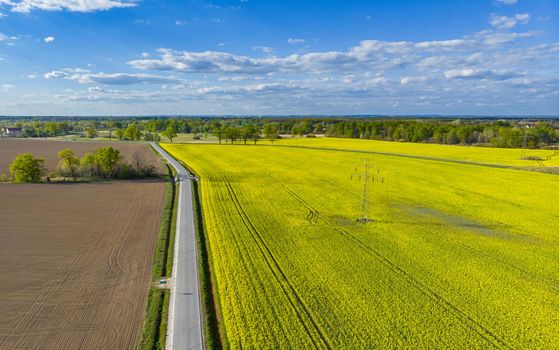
{"points": [[11, 132]]}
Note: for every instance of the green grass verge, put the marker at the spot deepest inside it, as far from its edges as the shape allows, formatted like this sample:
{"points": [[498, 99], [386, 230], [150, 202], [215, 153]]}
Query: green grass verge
{"points": [[172, 230], [153, 336], [157, 309], [163, 251], [214, 336]]}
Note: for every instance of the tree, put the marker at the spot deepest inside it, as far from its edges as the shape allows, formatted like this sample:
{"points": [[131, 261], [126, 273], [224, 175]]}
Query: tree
{"points": [[89, 164], [219, 132], [51, 128], [91, 132], [119, 133], [108, 159], [27, 168], [231, 133], [271, 132], [68, 162], [170, 132], [138, 161], [249, 132], [132, 132]]}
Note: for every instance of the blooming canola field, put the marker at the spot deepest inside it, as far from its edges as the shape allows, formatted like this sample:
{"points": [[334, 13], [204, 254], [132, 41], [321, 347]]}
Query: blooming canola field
{"points": [[486, 155], [455, 255]]}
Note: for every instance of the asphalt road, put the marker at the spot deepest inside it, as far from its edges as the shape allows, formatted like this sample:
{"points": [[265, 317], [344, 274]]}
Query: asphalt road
{"points": [[184, 330]]}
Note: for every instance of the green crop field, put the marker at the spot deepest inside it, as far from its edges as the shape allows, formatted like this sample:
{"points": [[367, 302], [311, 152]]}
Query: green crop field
{"points": [[456, 256]]}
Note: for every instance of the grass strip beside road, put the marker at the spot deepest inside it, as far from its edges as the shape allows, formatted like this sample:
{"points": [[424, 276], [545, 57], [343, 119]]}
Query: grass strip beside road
{"points": [[214, 334], [157, 308]]}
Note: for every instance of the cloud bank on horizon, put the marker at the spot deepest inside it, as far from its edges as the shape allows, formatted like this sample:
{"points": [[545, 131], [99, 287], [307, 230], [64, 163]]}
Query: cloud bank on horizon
{"points": [[113, 57]]}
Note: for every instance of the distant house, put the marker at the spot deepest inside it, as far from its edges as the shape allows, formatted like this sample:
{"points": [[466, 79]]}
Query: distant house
{"points": [[11, 132]]}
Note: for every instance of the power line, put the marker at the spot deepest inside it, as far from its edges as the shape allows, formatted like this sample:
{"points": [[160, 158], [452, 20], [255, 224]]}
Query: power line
{"points": [[367, 178]]}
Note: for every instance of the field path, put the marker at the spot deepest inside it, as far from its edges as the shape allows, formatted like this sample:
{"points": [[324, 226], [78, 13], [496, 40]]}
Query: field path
{"points": [[184, 329]]}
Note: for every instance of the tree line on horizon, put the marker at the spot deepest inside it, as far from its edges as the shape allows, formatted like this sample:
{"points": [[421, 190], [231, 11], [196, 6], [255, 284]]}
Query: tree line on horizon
{"points": [[497, 133]]}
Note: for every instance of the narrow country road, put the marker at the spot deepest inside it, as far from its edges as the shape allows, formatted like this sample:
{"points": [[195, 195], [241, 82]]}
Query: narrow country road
{"points": [[184, 329]]}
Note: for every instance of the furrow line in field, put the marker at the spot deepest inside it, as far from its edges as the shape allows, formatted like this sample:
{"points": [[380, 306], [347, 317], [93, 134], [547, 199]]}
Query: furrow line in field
{"points": [[553, 284], [62, 275], [274, 265], [423, 288]]}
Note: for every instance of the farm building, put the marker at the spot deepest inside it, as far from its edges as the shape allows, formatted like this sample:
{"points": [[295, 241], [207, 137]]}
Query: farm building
{"points": [[11, 132]]}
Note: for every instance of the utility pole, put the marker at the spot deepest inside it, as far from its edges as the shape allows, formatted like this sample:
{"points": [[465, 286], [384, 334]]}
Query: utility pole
{"points": [[366, 177], [524, 144]]}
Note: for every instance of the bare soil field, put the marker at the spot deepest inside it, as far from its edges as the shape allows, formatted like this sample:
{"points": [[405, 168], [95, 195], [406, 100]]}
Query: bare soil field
{"points": [[48, 149], [75, 263]]}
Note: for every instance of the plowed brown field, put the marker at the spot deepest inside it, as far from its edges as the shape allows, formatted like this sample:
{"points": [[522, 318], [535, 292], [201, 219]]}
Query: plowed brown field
{"points": [[48, 149], [75, 263]]}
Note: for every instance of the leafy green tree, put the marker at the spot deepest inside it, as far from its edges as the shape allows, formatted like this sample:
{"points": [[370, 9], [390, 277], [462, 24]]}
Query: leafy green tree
{"points": [[219, 132], [271, 132], [132, 132], [231, 133], [91, 132], [27, 168], [89, 165], [543, 133], [108, 159], [119, 133], [170, 132], [69, 163], [51, 128], [249, 132]]}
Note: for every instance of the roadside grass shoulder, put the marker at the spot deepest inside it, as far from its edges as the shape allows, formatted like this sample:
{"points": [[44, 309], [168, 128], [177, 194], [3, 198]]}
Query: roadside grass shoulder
{"points": [[214, 332], [157, 307]]}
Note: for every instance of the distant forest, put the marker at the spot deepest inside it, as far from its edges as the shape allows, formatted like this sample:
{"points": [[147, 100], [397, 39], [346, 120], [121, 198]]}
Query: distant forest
{"points": [[532, 133]]}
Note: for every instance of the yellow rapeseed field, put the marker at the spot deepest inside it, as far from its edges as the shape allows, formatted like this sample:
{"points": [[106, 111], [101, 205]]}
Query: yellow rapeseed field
{"points": [[457, 256], [502, 156]]}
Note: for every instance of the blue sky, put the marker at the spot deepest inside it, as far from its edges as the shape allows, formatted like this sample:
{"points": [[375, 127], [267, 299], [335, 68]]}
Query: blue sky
{"points": [[125, 57]]}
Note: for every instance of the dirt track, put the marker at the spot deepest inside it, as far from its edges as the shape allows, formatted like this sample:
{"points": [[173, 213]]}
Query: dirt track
{"points": [[75, 263], [48, 149]]}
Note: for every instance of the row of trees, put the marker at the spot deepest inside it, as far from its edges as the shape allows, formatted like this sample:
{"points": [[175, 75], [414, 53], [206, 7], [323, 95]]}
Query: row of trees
{"points": [[103, 163], [499, 133]]}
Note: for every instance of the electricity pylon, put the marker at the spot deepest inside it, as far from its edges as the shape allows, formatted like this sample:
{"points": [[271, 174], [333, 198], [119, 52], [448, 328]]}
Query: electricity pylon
{"points": [[366, 177]]}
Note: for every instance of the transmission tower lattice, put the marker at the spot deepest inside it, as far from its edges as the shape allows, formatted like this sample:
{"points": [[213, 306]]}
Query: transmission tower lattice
{"points": [[366, 177], [524, 145]]}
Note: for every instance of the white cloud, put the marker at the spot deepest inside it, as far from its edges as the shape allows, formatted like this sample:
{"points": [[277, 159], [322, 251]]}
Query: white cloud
{"points": [[490, 39], [504, 22], [368, 55], [2, 15], [86, 77], [295, 41], [412, 80], [507, 2], [485, 69], [49, 39], [7, 39], [26, 6], [480, 74], [180, 22], [7, 87], [264, 49]]}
